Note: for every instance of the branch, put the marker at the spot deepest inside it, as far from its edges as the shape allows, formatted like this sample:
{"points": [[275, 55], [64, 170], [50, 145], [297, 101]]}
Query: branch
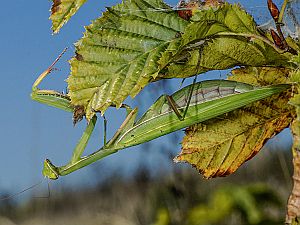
{"points": [[293, 206]]}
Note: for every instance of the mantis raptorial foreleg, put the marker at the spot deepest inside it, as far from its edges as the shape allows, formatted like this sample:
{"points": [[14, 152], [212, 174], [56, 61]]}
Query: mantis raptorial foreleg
{"points": [[81, 145], [54, 172], [47, 71], [51, 171], [63, 101], [50, 97]]}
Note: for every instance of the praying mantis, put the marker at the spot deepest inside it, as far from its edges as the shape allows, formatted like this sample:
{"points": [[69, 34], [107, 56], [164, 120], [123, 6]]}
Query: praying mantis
{"points": [[199, 102]]}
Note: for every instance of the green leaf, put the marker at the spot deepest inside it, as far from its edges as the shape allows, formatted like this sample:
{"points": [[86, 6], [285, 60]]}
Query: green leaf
{"points": [[62, 10], [261, 76], [226, 18], [133, 44], [219, 39], [119, 52]]}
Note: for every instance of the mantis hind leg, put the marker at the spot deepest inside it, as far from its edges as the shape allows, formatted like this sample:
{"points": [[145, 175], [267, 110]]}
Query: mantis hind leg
{"points": [[189, 96], [172, 103], [104, 130]]}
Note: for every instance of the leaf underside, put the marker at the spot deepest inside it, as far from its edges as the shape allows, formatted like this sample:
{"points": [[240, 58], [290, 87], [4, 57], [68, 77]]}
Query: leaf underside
{"points": [[134, 43], [218, 147], [62, 11]]}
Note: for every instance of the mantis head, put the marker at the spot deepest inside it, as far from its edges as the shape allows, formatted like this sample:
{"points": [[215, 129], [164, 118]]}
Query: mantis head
{"points": [[50, 170]]}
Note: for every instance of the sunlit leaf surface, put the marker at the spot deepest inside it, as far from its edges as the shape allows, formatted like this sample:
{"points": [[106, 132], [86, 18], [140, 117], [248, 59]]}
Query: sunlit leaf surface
{"points": [[119, 53], [62, 10], [219, 39], [141, 41]]}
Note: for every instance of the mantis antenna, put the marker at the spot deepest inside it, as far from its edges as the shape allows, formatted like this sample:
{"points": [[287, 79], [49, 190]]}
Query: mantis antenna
{"points": [[50, 97], [27, 189]]}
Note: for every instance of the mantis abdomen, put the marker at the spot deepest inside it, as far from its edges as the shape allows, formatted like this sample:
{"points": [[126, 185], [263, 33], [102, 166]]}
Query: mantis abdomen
{"points": [[209, 99]]}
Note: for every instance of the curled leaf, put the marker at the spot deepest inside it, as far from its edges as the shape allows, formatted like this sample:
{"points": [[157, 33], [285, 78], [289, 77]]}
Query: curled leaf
{"points": [[219, 39]]}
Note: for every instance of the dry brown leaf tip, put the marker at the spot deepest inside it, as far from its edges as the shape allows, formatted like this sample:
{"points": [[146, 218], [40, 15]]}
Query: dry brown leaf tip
{"points": [[55, 6]]}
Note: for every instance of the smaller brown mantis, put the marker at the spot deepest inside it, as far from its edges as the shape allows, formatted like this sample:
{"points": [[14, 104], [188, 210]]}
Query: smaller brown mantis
{"points": [[208, 99]]}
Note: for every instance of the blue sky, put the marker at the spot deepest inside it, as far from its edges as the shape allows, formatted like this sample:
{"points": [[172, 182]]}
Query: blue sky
{"points": [[31, 132]]}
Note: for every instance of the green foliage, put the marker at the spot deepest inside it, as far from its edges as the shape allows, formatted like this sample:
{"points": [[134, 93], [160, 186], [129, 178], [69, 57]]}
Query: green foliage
{"points": [[119, 53], [133, 44], [147, 199], [220, 39], [248, 201], [163, 217]]}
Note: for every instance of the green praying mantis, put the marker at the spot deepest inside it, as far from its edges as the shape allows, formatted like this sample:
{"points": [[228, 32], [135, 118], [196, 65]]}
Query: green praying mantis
{"points": [[192, 104], [141, 41]]}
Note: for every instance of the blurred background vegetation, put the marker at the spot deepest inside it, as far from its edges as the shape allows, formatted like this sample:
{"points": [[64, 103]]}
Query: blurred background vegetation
{"points": [[256, 194]]}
